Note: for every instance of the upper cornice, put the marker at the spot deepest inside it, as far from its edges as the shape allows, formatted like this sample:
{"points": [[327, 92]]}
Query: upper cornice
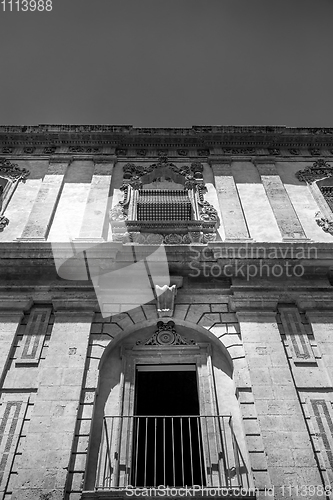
{"points": [[126, 135]]}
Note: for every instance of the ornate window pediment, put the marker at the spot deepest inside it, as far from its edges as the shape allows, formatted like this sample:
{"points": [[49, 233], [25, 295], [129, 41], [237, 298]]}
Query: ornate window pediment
{"points": [[10, 175], [164, 203], [319, 177]]}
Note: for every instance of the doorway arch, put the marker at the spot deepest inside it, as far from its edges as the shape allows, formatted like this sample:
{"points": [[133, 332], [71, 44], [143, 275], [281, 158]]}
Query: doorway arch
{"points": [[165, 347]]}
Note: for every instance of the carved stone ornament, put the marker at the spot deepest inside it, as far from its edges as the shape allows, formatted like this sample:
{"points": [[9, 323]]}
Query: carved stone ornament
{"points": [[198, 222], [314, 151], [273, 151], [3, 222], [80, 149], [325, 224], [167, 336], [165, 300], [319, 170], [49, 150], [12, 172], [7, 151]]}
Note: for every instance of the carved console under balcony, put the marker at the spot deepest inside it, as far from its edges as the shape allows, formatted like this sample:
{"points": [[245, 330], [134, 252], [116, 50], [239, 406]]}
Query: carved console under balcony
{"points": [[163, 203]]}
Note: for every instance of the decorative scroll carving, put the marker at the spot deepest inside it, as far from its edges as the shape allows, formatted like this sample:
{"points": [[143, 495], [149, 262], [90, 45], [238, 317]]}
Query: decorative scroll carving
{"points": [[314, 151], [318, 131], [7, 151], [294, 151], [203, 152], [172, 216], [182, 152], [246, 151], [3, 222], [208, 212], [12, 172], [121, 152], [118, 212], [274, 151], [166, 335], [29, 151], [192, 173], [49, 150], [80, 149], [324, 223], [318, 170], [194, 237]]}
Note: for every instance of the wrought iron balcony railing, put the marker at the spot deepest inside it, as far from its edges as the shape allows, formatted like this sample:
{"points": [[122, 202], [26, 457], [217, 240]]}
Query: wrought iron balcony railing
{"points": [[150, 451]]}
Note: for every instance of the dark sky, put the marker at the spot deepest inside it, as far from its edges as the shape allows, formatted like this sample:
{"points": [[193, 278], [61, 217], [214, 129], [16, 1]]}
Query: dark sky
{"points": [[168, 63]]}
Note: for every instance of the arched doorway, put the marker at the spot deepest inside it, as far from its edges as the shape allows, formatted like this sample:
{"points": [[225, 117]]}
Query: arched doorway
{"points": [[160, 418]]}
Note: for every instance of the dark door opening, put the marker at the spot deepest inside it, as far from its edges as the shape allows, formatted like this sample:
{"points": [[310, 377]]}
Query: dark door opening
{"points": [[167, 444]]}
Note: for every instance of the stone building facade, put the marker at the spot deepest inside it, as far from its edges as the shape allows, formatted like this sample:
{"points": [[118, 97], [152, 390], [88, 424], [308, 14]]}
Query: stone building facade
{"points": [[166, 312]]}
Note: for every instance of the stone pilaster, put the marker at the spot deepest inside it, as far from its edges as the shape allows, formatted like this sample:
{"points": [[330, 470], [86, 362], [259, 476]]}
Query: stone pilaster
{"points": [[53, 420], [98, 199], [286, 440], [231, 210], [41, 216], [282, 207]]}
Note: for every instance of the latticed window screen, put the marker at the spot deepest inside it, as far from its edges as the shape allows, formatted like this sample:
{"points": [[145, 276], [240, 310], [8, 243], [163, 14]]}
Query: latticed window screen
{"points": [[163, 204], [327, 192]]}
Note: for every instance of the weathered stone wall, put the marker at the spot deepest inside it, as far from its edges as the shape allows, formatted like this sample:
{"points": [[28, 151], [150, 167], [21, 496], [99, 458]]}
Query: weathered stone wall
{"points": [[277, 330]]}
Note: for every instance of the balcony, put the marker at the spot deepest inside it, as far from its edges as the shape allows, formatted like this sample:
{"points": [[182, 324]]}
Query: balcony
{"points": [[147, 452]]}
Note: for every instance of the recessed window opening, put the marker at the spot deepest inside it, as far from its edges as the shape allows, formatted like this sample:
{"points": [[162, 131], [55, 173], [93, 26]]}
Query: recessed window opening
{"points": [[167, 443]]}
